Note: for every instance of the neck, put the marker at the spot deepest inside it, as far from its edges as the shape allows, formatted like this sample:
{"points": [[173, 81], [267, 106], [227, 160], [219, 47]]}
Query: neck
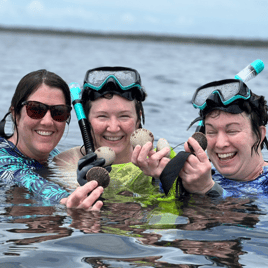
{"points": [[256, 172], [124, 157], [13, 139]]}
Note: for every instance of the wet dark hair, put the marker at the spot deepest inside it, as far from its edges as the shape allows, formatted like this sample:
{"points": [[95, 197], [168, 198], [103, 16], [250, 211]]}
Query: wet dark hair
{"points": [[257, 110], [27, 86]]}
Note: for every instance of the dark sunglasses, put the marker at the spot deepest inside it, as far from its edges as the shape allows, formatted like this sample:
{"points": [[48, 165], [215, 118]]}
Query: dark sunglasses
{"points": [[37, 110]]}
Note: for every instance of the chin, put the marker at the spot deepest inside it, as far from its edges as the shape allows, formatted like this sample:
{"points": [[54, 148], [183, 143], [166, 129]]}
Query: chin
{"points": [[46, 150], [226, 173]]}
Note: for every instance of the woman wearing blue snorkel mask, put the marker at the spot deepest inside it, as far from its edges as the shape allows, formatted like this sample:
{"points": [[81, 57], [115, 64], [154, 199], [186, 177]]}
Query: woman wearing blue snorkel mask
{"points": [[234, 122], [112, 100]]}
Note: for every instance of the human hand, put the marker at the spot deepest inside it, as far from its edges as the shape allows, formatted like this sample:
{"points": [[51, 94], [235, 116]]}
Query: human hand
{"points": [[196, 173], [84, 197], [86, 163], [150, 162]]}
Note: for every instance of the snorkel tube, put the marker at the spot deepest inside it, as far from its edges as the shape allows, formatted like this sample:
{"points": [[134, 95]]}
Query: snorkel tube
{"points": [[82, 120], [251, 71], [248, 73]]}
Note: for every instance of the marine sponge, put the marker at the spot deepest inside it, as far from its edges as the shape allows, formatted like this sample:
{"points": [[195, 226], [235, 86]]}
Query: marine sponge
{"points": [[99, 174], [141, 136], [107, 153], [162, 143], [202, 140]]}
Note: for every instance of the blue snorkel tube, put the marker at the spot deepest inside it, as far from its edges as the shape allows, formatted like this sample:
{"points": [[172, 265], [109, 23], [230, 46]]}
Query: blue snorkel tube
{"points": [[82, 120], [249, 72]]}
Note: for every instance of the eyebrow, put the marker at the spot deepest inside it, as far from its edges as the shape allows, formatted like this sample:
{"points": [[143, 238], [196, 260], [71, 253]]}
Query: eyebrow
{"points": [[228, 125]]}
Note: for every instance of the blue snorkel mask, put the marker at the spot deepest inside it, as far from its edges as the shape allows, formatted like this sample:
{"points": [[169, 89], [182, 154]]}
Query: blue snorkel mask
{"points": [[123, 81], [223, 92], [227, 95]]}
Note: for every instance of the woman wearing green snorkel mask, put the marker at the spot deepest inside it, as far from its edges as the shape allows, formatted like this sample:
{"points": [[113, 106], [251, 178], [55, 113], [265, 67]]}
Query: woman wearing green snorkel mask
{"points": [[234, 122]]}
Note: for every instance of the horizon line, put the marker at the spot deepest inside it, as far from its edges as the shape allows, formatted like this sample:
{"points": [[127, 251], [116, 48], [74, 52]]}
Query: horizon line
{"points": [[140, 36]]}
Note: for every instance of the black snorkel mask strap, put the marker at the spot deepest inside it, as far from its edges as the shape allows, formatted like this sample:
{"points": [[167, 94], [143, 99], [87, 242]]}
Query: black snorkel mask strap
{"points": [[2, 127]]}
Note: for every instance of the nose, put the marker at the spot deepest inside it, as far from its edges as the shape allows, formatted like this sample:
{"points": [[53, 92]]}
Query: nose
{"points": [[113, 125], [47, 119], [222, 140]]}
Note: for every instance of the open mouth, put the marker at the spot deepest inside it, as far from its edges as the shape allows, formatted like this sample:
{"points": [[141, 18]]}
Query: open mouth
{"points": [[225, 157], [44, 133], [113, 138]]}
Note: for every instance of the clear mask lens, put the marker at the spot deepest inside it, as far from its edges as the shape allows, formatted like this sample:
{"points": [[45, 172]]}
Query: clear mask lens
{"points": [[226, 92], [125, 78]]}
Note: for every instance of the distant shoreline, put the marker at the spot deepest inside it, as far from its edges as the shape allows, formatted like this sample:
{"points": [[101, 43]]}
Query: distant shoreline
{"points": [[142, 37]]}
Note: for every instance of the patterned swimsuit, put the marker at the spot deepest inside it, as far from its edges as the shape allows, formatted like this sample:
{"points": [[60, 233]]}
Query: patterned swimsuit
{"points": [[17, 169]]}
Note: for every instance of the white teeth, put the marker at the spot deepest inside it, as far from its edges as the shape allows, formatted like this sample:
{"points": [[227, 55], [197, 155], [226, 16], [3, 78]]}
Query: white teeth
{"points": [[44, 133], [226, 155], [113, 138]]}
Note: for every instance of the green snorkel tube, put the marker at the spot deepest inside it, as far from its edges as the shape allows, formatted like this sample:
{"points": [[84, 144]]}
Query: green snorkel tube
{"points": [[82, 120]]}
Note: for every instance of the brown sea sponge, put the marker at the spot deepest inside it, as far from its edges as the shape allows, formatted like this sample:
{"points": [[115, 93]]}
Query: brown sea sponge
{"points": [[99, 174], [202, 140]]}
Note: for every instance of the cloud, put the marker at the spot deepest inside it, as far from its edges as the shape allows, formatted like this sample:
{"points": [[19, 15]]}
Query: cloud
{"points": [[184, 21], [4, 6], [219, 18], [128, 18], [35, 8], [151, 19]]}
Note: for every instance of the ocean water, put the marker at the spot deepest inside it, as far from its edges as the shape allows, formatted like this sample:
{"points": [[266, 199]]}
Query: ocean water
{"points": [[232, 233]]}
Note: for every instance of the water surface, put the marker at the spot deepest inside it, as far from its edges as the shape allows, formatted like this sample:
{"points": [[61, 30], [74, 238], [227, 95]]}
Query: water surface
{"points": [[202, 233]]}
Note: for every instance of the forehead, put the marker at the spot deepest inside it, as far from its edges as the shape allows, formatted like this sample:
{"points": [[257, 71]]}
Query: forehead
{"points": [[49, 94], [115, 103], [218, 117]]}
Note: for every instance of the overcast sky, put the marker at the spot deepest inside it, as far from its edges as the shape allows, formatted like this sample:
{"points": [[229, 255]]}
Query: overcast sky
{"points": [[228, 18]]}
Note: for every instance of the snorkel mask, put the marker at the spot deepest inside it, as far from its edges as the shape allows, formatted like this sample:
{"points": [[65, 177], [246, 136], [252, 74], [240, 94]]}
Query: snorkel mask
{"points": [[226, 95], [123, 81]]}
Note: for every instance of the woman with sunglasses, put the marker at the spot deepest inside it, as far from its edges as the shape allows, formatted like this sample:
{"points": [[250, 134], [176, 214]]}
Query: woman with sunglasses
{"points": [[234, 120], [112, 100], [40, 109]]}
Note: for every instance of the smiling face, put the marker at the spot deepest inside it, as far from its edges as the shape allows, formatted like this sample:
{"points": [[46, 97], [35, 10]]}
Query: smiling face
{"points": [[230, 139], [38, 137], [113, 121]]}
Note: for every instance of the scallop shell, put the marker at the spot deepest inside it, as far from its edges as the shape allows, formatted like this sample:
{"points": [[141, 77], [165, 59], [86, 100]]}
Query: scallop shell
{"points": [[202, 140], [162, 143], [107, 153], [99, 174], [141, 136]]}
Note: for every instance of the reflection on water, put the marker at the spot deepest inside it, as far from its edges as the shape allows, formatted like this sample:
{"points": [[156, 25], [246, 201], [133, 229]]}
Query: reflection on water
{"points": [[123, 234], [197, 232]]}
